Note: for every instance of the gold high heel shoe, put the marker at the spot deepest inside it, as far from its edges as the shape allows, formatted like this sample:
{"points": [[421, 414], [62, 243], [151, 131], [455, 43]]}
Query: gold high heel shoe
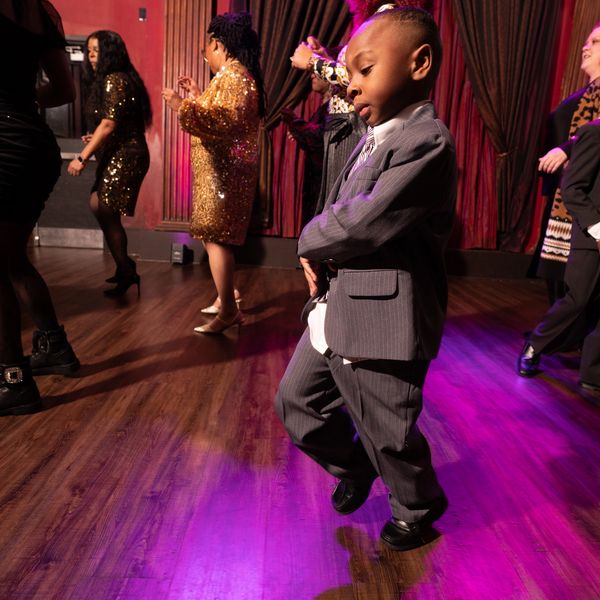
{"points": [[219, 325], [214, 309]]}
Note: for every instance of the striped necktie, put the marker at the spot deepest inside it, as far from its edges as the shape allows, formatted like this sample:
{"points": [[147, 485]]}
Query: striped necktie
{"points": [[365, 152]]}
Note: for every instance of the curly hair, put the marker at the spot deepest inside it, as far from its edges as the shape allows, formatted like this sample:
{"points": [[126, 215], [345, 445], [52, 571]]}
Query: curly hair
{"points": [[234, 31], [112, 58]]}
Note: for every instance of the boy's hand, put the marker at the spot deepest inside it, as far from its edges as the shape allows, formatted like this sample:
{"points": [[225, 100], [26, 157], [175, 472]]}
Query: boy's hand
{"points": [[311, 270]]}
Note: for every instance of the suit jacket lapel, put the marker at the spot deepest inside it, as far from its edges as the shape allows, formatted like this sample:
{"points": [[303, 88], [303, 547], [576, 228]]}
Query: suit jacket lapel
{"points": [[426, 113]]}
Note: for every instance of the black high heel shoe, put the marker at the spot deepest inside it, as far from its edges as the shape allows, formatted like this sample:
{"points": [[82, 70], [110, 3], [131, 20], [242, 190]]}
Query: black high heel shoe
{"points": [[118, 273], [124, 282]]}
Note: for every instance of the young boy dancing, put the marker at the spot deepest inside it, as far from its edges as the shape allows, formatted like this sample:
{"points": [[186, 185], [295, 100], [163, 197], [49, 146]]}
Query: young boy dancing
{"points": [[374, 264]]}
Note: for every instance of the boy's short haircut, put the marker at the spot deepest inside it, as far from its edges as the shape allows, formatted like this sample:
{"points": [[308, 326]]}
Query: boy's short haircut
{"points": [[428, 32]]}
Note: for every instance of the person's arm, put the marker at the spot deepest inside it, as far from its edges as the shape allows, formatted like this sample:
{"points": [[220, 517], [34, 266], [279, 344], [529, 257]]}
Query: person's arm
{"points": [[581, 176], [400, 200], [60, 88], [308, 134], [332, 71], [567, 147], [553, 160], [222, 114], [115, 94], [324, 67], [99, 137]]}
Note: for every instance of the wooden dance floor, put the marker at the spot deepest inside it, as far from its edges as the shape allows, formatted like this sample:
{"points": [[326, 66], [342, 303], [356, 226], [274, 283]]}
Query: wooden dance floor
{"points": [[161, 471]]}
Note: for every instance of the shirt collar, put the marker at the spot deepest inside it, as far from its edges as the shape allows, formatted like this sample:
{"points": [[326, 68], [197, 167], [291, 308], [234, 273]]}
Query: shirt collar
{"points": [[381, 132]]}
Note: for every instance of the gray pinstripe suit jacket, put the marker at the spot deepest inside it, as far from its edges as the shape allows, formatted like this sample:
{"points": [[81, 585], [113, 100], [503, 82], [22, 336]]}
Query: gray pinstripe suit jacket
{"points": [[385, 227]]}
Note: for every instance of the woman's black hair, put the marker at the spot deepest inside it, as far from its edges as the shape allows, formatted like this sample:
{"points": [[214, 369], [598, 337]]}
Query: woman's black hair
{"points": [[234, 31], [112, 58]]}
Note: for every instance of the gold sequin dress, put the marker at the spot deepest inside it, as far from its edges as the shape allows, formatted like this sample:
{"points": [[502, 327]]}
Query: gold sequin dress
{"points": [[123, 160], [224, 124]]}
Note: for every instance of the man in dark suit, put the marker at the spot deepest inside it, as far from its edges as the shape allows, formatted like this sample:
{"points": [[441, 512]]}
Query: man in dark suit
{"points": [[581, 194], [374, 263]]}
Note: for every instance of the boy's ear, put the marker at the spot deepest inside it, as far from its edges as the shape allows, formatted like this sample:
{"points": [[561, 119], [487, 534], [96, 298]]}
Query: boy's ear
{"points": [[422, 62]]}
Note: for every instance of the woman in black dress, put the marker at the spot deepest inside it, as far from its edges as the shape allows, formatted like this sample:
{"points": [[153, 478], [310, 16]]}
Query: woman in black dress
{"points": [[118, 110], [31, 35]]}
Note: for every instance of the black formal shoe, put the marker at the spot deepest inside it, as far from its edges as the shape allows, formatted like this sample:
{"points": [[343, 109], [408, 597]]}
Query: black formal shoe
{"points": [[528, 364], [349, 496], [402, 536], [590, 387]]}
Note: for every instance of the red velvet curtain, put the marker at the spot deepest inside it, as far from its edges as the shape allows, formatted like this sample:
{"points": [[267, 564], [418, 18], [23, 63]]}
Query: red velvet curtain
{"points": [[288, 171], [476, 214], [556, 95], [476, 208], [281, 26], [509, 65], [477, 203]]}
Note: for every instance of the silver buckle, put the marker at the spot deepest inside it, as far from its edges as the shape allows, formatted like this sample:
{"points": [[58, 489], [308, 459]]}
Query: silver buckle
{"points": [[44, 344], [13, 375]]}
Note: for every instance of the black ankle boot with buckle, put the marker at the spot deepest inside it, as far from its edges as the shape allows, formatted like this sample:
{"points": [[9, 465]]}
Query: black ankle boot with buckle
{"points": [[52, 353], [18, 392]]}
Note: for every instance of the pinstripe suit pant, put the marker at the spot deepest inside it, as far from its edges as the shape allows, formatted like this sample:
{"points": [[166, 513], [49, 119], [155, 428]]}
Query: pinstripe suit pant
{"points": [[324, 403]]}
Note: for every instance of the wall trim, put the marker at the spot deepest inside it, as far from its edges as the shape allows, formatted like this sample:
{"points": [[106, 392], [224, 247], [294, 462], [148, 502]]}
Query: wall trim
{"points": [[281, 252]]}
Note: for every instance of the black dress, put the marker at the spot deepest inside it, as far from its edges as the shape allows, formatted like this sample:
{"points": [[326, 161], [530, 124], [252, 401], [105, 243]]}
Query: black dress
{"points": [[29, 156]]}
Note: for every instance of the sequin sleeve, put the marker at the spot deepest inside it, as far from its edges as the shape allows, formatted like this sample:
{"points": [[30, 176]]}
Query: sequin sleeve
{"points": [[115, 96], [226, 106]]}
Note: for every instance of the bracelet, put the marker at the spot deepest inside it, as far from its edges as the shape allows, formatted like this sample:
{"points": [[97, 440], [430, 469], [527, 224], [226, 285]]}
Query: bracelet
{"points": [[81, 160]]}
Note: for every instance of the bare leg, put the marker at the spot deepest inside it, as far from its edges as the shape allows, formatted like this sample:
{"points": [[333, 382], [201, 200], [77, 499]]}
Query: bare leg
{"points": [[222, 266], [114, 233]]}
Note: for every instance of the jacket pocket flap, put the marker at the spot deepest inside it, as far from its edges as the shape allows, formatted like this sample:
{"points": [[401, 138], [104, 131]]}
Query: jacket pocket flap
{"points": [[370, 284]]}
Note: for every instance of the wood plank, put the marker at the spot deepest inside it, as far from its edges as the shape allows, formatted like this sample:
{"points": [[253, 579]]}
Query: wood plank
{"points": [[161, 470]]}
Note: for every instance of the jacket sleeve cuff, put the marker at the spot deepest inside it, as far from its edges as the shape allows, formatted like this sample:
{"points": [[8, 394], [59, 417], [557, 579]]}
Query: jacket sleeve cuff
{"points": [[594, 231]]}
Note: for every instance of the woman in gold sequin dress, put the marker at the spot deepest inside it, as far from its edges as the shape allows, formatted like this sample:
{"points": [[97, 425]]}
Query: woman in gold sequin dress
{"points": [[118, 109], [223, 121]]}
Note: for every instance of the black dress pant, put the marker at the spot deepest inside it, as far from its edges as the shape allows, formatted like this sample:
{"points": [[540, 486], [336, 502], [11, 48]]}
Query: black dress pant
{"points": [[582, 277]]}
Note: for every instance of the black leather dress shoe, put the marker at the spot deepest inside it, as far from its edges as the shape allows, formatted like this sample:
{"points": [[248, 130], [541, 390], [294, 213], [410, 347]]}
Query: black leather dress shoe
{"points": [[590, 387], [402, 536], [349, 496], [528, 364]]}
